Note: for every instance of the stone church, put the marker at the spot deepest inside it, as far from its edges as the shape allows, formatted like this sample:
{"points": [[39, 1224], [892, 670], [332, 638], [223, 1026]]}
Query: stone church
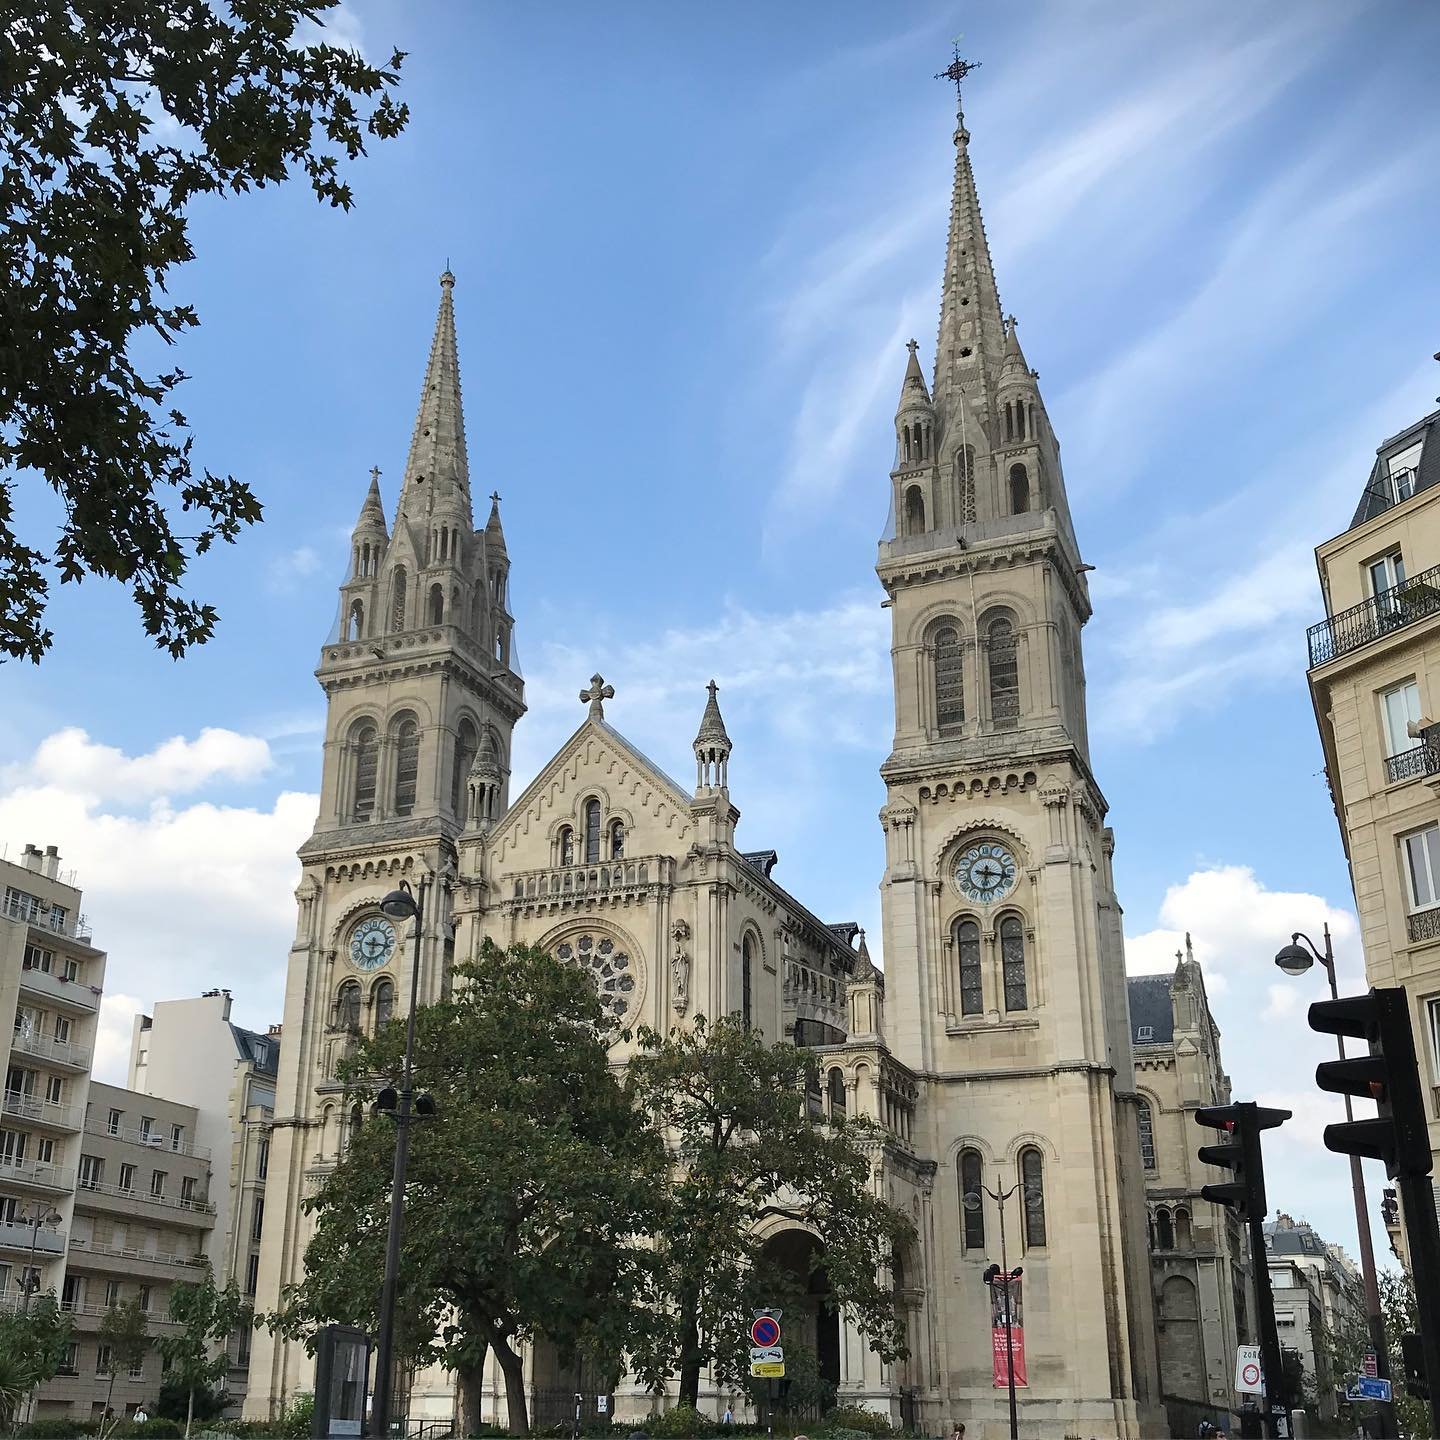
{"points": [[995, 1048]]}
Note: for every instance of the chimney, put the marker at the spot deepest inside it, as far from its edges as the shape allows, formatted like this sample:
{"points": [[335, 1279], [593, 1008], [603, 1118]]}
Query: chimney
{"points": [[32, 858], [52, 861], [274, 1030]]}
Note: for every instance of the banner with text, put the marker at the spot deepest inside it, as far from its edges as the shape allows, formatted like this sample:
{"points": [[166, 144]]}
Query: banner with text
{"points": [[1014, 1350]]}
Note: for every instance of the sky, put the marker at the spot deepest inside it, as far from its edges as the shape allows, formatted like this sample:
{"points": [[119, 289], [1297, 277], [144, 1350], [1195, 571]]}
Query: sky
{"points": [[690, 244]]}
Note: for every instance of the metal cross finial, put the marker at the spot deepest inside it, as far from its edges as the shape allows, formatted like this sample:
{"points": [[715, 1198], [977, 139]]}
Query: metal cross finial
{"points": [[596, 696], [495, 496], [958, 69], [375, 473]]}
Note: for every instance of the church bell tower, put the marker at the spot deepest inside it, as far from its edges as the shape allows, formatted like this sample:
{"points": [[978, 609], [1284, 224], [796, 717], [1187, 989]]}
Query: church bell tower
{"points": [[1004, 959]]}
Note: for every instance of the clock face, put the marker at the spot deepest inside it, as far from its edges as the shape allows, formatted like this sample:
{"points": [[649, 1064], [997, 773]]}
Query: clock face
{"points": [[372, 944], [985, 872]]}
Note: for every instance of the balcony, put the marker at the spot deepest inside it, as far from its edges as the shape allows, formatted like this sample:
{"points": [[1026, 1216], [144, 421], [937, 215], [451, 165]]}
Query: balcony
{"points": [[83, 1311], [43, 1241], [73, 995], [82, 1250], [35, 1176], [1413, 599], [46, 1047], [1422, 759], [153, 1140], [116, 1199], [1423, 925], [49, 1113], [613, 881]]}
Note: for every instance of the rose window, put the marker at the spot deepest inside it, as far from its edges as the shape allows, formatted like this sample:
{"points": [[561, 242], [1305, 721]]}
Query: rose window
{"points": [[609, 967]]}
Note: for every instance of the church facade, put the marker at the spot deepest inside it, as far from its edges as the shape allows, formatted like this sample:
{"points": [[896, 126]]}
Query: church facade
{"points": [[994, 1050]]}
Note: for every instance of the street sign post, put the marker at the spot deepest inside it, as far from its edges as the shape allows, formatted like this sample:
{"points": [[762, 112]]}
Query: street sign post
{"points": [[1249, 1377], [1368, 1388], [602, 1404], [1370, 1366]]}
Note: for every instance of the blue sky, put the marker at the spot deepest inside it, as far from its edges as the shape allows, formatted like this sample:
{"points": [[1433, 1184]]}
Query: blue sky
{"points": [[691, 242]]}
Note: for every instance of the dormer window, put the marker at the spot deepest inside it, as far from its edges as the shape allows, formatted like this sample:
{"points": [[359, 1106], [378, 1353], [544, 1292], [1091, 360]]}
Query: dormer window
{"points": [[1401, 470], [1144, 1032]]}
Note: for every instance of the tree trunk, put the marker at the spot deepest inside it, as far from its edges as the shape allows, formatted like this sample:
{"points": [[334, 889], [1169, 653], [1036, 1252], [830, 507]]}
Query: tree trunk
{"points": [[690, 1359], [513, 1369], [469, 1385], [189, 1410]]}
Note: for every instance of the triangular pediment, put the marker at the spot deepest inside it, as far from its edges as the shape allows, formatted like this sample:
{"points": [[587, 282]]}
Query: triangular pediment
{"points": [[596, 759]]}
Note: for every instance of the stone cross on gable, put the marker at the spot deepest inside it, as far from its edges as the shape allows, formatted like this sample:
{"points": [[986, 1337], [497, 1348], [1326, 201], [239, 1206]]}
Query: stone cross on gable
{"points": [[596, 696]]}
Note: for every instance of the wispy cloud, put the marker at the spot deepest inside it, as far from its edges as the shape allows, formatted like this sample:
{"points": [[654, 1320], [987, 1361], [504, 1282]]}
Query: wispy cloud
{"points": [[286, 573]]}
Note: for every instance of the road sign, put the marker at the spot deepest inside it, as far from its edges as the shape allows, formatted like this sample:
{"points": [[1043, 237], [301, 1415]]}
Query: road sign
{"points": [[1247, 1369], [1366, 1388], [602, 1404], [768, 1369], [765, 1331], [1369, 1366], [764, 1354]]}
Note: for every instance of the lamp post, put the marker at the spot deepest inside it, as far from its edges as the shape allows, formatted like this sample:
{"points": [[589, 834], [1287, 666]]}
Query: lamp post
{"points": [[32, 1276], [1295, 959], [1002, 1276], [403, 1106]]}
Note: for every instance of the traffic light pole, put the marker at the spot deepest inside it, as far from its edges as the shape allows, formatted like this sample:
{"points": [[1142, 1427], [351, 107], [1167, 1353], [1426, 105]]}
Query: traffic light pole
{"points": [[1265, 1323], [1418, 1198]]}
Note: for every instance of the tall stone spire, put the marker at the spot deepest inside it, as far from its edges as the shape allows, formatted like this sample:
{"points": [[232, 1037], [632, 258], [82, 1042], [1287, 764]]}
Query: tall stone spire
{"points": [[972, 330], [438, 466]]}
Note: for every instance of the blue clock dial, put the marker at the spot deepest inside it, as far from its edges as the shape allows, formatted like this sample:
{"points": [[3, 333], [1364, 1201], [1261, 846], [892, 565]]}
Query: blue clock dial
{"points": [[986, 872], [372, 943]]}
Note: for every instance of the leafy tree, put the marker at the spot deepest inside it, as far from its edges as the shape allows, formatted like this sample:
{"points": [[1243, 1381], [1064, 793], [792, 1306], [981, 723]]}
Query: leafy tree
{"points": [[32, 1349], [126, 1330], [115, 118], [1347, 1349], [733, 1110], [196, 1353], [176, 1400], [527, 1196]]}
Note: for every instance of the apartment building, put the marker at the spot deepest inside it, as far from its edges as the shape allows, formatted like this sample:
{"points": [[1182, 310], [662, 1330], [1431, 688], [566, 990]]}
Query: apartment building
{"points": [[142, 1217], [1199, 1263], [1375, 685], [190, 1049], [51, 980]]}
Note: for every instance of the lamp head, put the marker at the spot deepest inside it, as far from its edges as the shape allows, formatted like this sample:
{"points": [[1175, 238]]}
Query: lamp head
{"points": [[1294, 959], [400, 904]]}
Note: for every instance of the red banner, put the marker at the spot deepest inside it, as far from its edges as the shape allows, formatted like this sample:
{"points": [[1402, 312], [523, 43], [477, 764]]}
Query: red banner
{"points": [[1012, 1350]]}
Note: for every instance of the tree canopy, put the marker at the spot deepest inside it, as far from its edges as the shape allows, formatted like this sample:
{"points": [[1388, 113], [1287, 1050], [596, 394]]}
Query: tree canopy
{"points": [[196, 1353], [32, 1348], [113, 118]]}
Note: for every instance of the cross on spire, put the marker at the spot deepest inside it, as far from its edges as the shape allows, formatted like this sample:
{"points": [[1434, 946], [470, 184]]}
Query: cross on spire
{"points": [[958, 69], [494, 497], [596, 696], [375, 473]]}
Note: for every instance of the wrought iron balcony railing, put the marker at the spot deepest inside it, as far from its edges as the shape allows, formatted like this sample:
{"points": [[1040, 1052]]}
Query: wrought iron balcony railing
{"points": [[1423, 925], [1411, 600], [1422, 759]]}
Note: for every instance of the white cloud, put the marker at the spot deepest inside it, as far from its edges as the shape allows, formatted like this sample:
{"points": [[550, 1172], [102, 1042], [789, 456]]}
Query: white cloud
{"points": [[284, 573], [339, 26], [183, 897]]}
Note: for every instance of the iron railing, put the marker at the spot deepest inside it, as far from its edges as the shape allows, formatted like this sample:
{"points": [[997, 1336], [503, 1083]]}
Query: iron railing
{"points": [[1423, 925], [1412, 599], [1422, 759]]}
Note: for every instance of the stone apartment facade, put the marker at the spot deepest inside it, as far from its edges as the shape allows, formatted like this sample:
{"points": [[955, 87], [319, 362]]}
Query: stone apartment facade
{"points": [[1375, 685], [1200, 1263], [51, 981]]}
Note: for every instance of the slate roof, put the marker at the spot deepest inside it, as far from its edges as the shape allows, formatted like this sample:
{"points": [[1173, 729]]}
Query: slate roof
{"points": [[1150, 1009], [763, 860], [1376, 498], [247, 1041]]}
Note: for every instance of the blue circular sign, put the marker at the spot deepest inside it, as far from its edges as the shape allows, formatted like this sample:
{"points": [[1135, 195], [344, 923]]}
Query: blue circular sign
{"points": [[765, 1331]]}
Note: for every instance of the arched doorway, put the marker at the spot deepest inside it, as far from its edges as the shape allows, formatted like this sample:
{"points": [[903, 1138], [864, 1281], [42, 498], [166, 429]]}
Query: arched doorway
{"points": [[812, 1321]]}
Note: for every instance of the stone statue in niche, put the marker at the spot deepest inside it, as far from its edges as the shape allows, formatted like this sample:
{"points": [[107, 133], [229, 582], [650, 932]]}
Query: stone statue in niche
{"points": [[680, 967]]}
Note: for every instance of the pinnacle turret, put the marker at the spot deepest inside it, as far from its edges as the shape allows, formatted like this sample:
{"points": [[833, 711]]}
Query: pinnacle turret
{"points": [[712, 746]]}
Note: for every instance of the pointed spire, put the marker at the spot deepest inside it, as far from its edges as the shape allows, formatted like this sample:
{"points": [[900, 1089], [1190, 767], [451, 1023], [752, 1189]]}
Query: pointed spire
{"points": [[864, 965], [914, 394], [712, 746], [494, 535], [1015, 366], [438, 465], [372, 512], [971, 325], [712, 723]]}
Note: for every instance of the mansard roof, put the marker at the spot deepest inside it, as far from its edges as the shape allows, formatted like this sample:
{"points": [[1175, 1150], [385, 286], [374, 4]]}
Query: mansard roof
{"points": [[1378, 496], [1150, 1009]]}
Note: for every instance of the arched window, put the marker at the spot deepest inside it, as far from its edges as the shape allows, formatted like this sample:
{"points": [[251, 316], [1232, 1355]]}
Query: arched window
{"points": [[1146, 1124], [964, 484], [972, 1200], [1032, 1191], [1009, 422], [357, 1119], [466, 743], [838, 1103], [566, 845], [437, 605], [1164, 1232], [1182, 1229], [949, 680], [592, 832], [914, 511], [747, 969], [397, 600], [814, 1097], [366, 742], [967, 946], [407, 765], [1019, 490], [905, 443], [384, 1003], [1012, 962], [617, 839], [355, 625], [1004, 670], [347, 1006]]}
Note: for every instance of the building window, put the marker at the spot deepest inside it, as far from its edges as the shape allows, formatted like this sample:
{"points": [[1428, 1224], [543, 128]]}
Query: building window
{"points": [[1019, 490], [112, 1124], [972, 991], [1400, 708], [1422, 867], [92, 1172], [384, 1003], [102, 1359], [347, 1007], [70, 1365], [964, 484], [566, 846], [143, 1295], [838, 1104], [972, 1200], [1164, 1231], [949, 660], [1012, 961], [157, 1184], [1432, 1017], [397, 599], [914, 511], [127, 1178], [257, 1219], [1004, 670], [147, 1129], [177, 1138], [252, 1274], [137, 1367], [466, 744], [407, 765], [262, 1160], [44, 1151], [1386, 573], [54, 1090], [1032, 1191], [1400, 471], [1144, 1034], [592, 832], [609, 967], [39, 959], [21, 906], [70, 969], [1146, 1121], [62, 1030], [617, 839], [366, 742], [187, 1189], [747, 950]]}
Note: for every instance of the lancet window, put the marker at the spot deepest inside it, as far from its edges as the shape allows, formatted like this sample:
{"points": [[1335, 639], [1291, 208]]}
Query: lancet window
{"points": [[1012, 962]]}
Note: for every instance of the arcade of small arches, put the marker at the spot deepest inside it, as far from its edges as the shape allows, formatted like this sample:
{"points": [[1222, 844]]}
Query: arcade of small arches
{"points": [[972, 1178], [1170, 1228], [432, 606], [380, 773], [595, 838], [921, 512]]}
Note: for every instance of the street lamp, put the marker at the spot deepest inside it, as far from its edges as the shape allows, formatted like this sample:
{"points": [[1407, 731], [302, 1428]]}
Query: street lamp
{"points": [[32, 1275], [1003, 1277], [402, 1106], [1295, 959]]}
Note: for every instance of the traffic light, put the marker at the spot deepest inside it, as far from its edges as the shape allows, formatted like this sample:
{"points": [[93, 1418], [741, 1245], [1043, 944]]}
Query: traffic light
{"points": [[1387, 1075], [1243, 1122], [1390, 1208]]}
